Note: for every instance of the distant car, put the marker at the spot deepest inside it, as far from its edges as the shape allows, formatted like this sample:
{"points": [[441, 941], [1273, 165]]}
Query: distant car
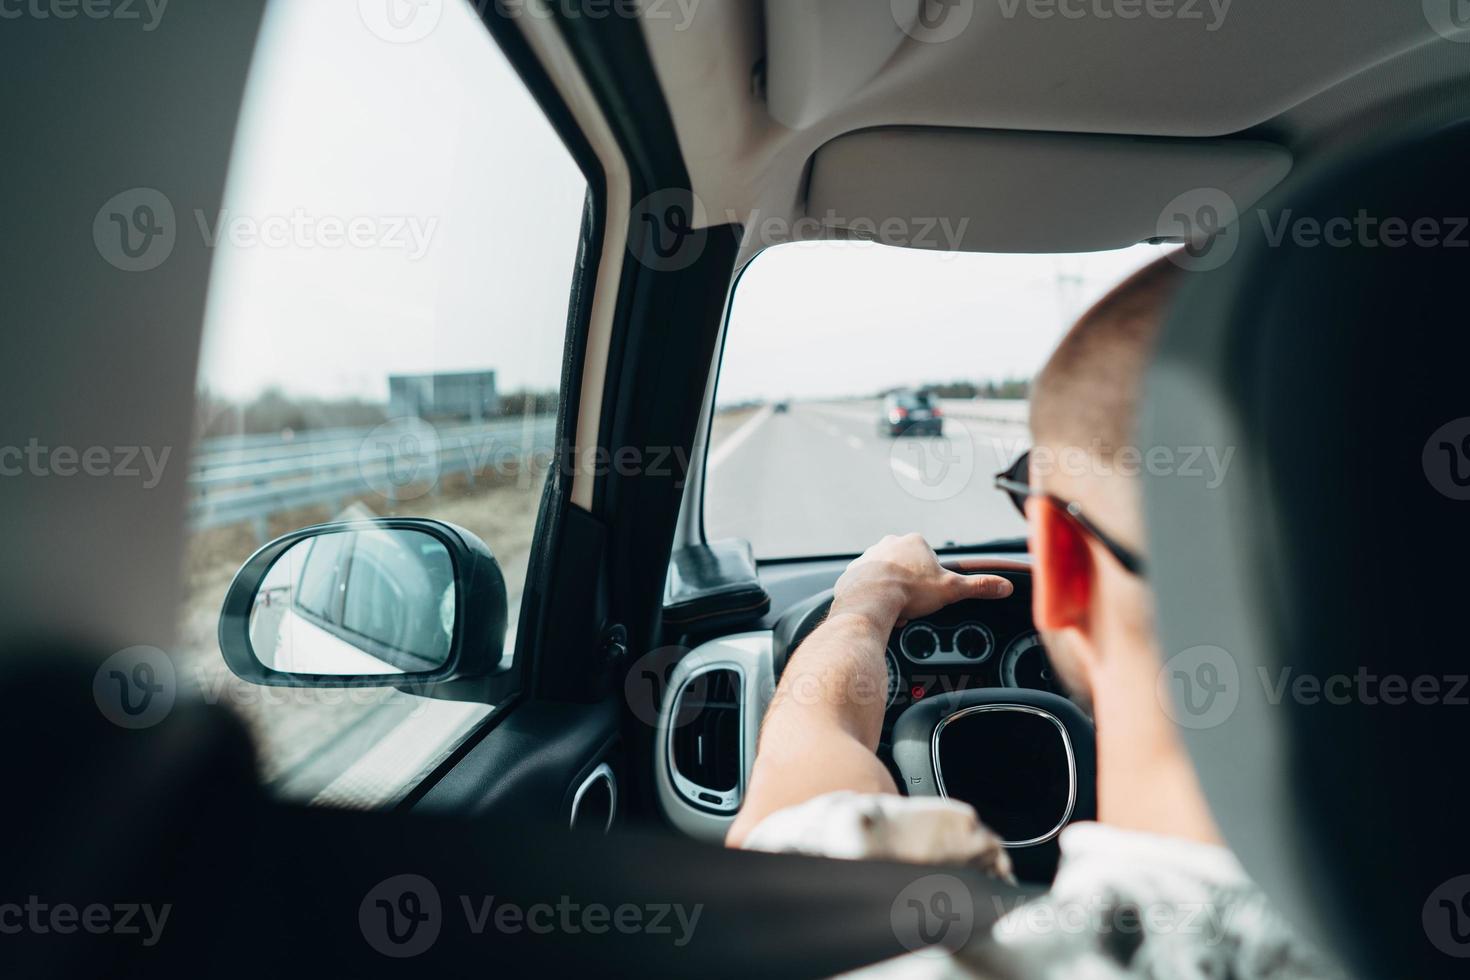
{"points": [[781, 408], [911, 412]]}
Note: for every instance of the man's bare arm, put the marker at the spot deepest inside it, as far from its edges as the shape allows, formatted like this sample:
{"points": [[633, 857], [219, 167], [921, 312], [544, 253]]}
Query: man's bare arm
{"points": [[822, 728]]}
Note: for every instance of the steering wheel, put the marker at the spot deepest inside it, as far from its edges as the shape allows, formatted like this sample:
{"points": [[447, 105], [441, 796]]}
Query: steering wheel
{"points": [[1025, 760]]}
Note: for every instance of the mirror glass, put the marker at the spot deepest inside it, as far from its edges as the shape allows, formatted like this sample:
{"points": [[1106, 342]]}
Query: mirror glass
{"points": [[377, 601], [1014, 765]]}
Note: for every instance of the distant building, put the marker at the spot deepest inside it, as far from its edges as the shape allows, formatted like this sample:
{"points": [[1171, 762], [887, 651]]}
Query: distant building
{"points": [[469, 395]]}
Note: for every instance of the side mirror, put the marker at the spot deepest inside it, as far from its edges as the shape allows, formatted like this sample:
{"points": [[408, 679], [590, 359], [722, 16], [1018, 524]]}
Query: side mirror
{"points": [[381, 603]]}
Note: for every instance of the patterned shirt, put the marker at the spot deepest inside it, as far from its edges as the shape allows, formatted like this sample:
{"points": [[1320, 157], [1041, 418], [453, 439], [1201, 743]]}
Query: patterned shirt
{"points": [[1123, 905]]}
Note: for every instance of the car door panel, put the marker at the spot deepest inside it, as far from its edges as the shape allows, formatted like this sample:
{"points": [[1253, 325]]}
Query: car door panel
{"points": [[531, 765]]}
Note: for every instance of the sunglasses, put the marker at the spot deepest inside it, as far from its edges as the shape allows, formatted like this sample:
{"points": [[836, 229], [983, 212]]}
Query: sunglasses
{"points": [[1016, 484]]}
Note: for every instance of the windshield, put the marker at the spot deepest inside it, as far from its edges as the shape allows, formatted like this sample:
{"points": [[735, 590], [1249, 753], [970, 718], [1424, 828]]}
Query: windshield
{"points": [[868, 390]]}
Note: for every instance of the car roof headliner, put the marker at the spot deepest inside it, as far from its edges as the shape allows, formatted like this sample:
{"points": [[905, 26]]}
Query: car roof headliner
{"points": [[757, 89]]}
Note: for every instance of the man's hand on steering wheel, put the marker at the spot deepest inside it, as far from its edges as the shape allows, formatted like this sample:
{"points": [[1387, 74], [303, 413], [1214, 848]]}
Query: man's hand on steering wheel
{"points": [[900, 578], [817, 738]]}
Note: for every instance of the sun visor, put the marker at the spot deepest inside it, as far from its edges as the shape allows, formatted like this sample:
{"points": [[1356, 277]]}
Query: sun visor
{"points": [[994, 191]]}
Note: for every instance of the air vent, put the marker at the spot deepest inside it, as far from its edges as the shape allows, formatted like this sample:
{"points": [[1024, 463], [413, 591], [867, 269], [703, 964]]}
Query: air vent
{"points": [[705, 750]]}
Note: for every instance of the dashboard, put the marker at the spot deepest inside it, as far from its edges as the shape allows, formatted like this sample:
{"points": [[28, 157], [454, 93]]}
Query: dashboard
{"points": [[972, 645], [975, 658]]}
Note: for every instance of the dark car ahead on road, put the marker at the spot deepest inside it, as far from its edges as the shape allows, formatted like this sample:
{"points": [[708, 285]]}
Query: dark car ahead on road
{"points": [[911, 412]]}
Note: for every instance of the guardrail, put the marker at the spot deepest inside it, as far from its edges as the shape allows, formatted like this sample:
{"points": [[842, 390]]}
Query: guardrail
{"points": [[1014, 411], [251, 478]]}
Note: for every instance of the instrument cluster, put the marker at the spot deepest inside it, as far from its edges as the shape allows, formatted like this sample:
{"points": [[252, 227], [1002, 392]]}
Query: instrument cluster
{"points": [[976, 643]]}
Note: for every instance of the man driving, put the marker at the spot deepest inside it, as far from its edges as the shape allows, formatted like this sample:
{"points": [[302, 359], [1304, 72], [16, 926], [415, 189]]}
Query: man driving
{"points": [[817, 785]]}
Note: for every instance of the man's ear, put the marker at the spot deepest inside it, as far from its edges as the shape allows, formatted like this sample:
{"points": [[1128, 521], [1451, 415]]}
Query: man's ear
{"points": [[1063, 573]]}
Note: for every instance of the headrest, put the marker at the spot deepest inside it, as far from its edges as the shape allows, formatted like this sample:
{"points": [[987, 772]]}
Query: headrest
{"points": [[1313, 606]]}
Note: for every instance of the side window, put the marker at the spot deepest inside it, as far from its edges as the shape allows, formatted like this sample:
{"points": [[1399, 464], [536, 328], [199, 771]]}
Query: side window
{"points": [[385, 329]]}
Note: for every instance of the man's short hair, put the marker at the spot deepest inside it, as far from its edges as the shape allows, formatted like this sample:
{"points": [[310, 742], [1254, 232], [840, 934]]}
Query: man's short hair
{"points": [[1087, 395]]}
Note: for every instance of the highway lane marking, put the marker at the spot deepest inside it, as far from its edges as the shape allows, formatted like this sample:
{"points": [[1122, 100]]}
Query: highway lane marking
{"points": [[907, 470], [722, 452], [852, 412]]}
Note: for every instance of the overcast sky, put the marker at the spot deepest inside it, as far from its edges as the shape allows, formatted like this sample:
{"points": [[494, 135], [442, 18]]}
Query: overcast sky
{"points": [[474, 209], [341, 123], [843, 318]]}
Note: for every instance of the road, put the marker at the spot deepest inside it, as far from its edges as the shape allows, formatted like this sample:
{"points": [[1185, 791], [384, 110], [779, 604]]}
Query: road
{"points": [[820, 479]]}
